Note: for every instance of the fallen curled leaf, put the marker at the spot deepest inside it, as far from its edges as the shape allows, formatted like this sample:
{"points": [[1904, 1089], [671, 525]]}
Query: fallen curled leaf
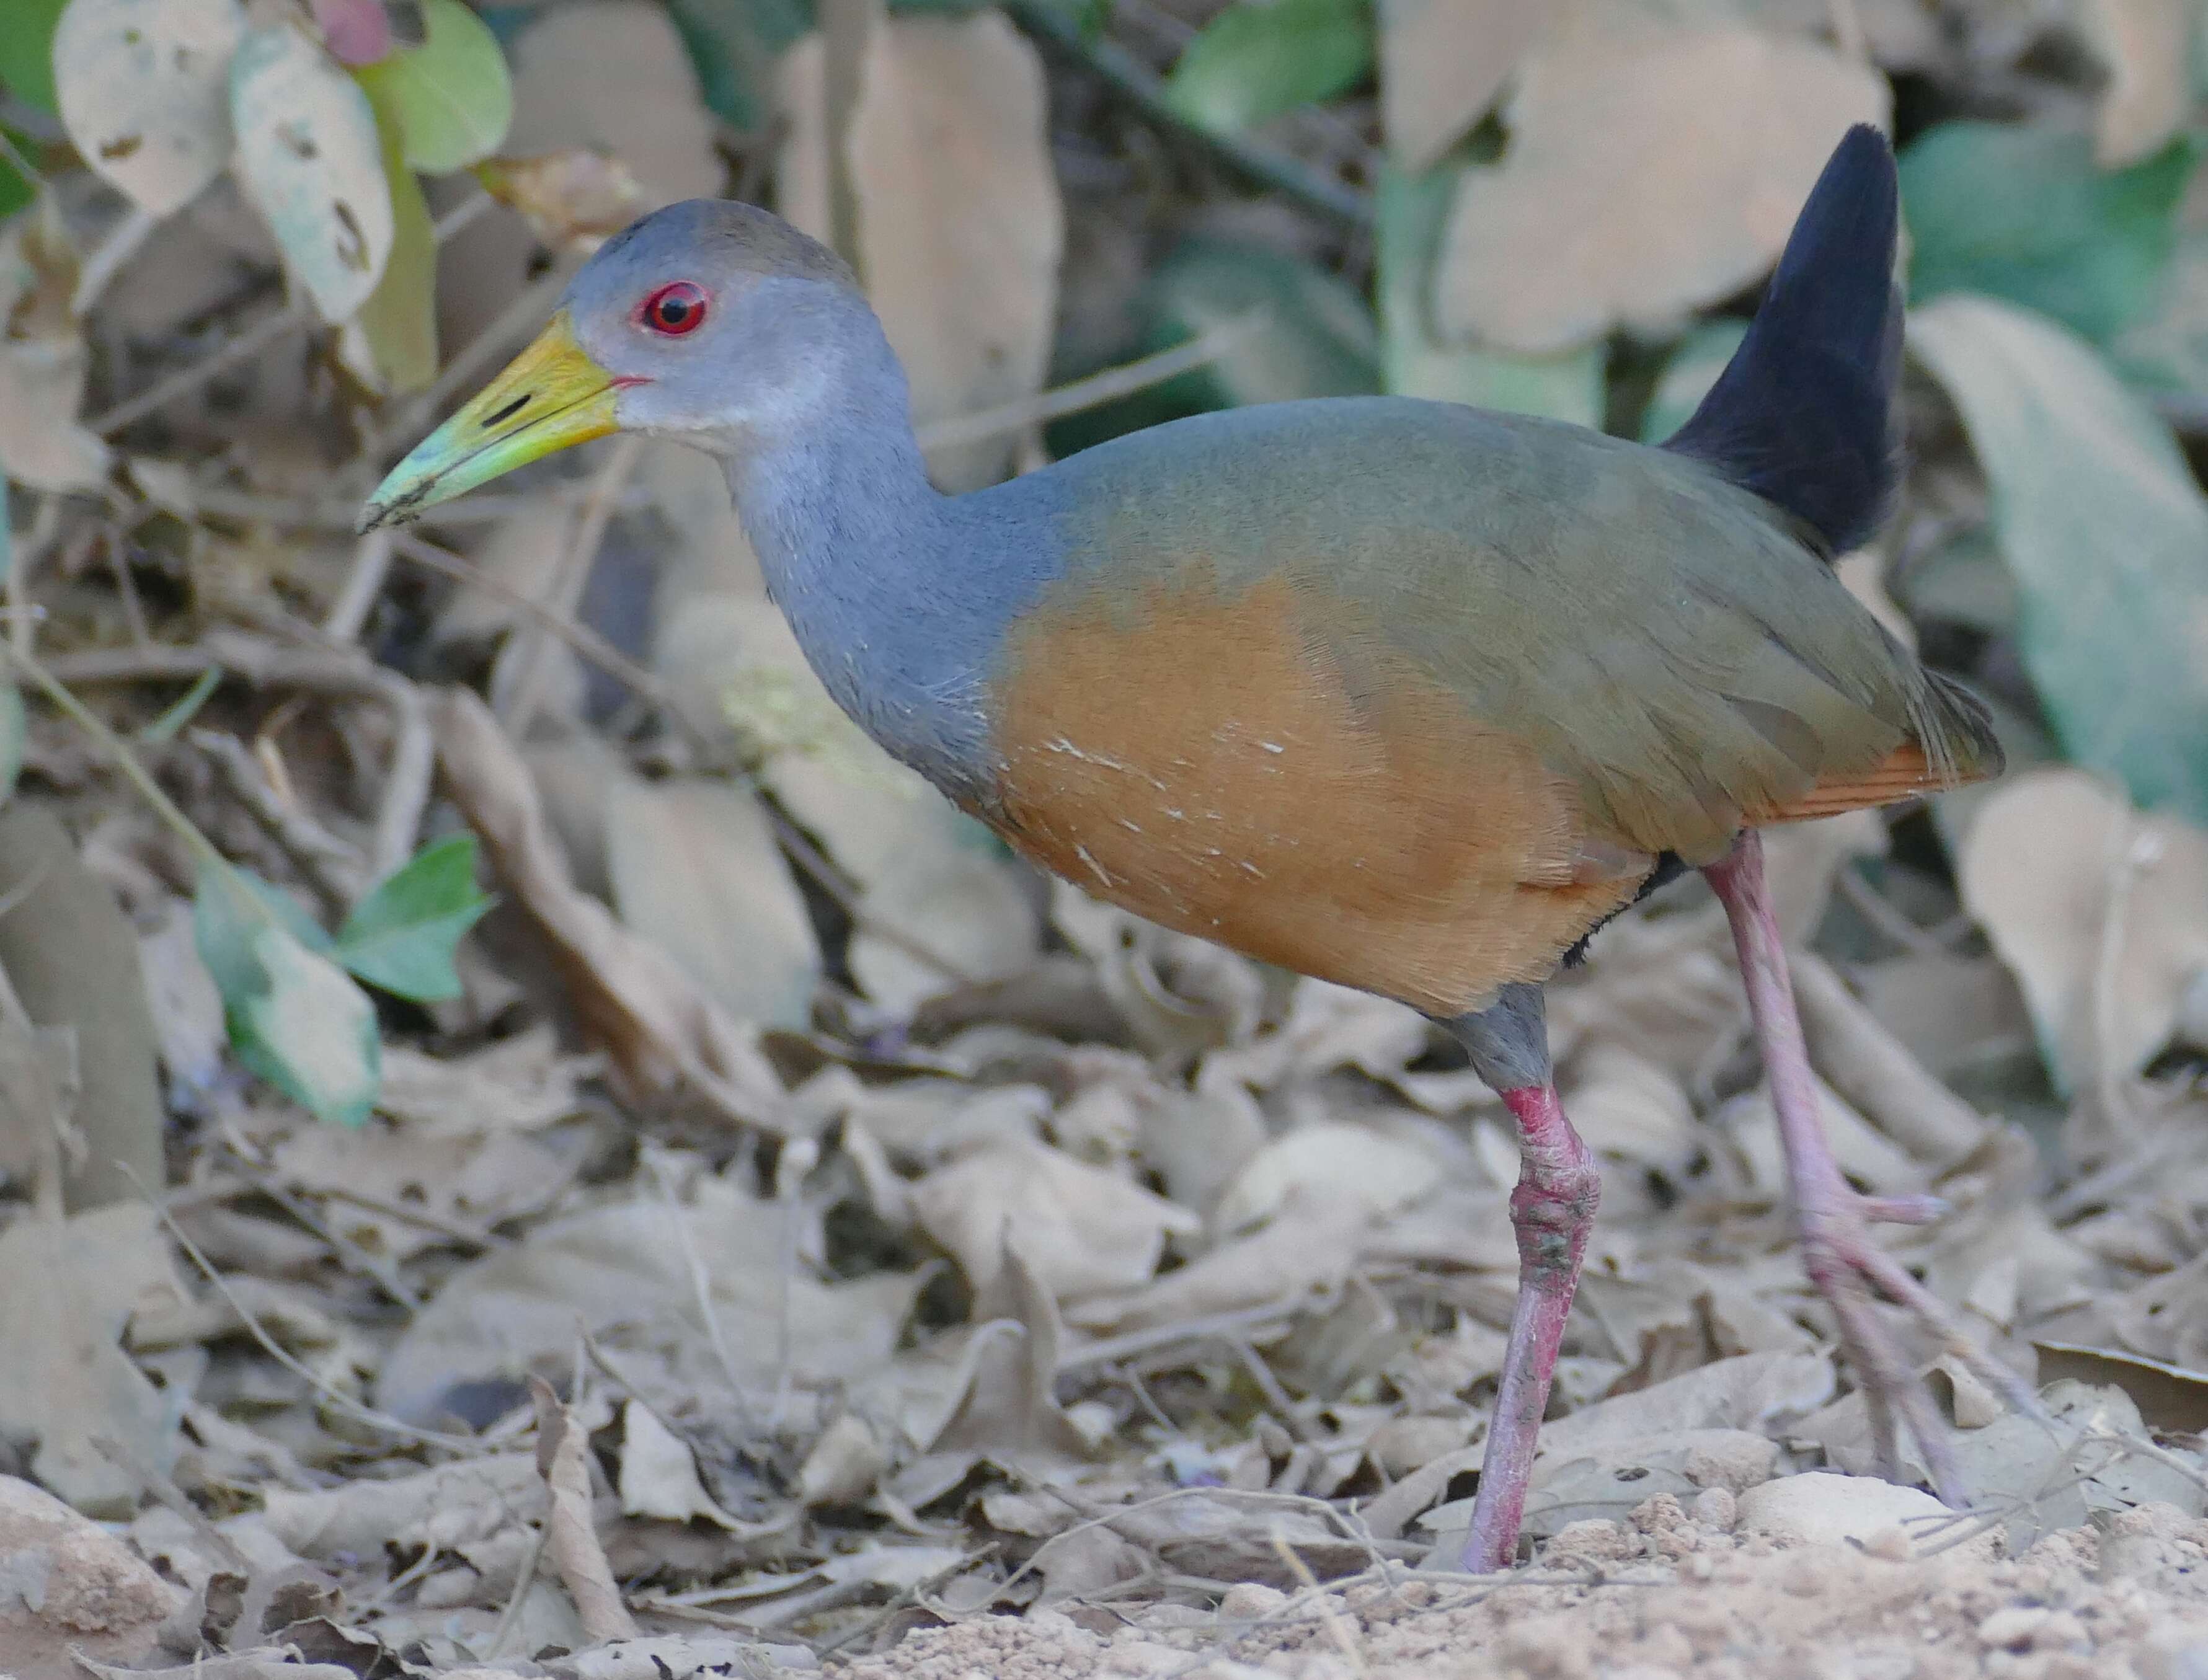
{"points": [[571, 1535], [613, 76], [574, 198], [1081, 1229]]}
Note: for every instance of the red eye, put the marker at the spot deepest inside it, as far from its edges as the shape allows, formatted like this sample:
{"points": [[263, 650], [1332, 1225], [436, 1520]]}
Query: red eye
{"points": [[675, 308]]}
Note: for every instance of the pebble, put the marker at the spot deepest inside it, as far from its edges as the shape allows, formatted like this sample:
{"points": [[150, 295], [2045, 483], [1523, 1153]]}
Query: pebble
{"points": [[1821, 1509], [66, 1583]]}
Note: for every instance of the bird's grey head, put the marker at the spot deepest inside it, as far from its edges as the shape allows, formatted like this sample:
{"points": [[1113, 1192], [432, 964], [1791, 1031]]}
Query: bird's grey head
{"points": [[719, 323]]}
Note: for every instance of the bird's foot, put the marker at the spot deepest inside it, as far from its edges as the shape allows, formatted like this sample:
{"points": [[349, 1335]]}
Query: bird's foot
{"points": [[1848, 1269]]}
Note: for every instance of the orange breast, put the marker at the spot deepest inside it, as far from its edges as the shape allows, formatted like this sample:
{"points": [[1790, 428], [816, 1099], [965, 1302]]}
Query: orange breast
{"points": [[1246, 766]]}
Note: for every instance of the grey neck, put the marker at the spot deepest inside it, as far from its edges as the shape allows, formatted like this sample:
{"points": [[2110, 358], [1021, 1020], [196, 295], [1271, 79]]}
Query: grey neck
{"points": [[859, 551]]}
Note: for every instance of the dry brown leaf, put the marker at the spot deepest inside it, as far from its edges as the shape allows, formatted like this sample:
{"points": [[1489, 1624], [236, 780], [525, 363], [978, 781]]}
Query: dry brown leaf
{"points": [[2146, 47], [521, 1083], [660, 1029], [454, 1181], [659, 1475], [575, 198], [66, 1382], [43, 362], [571, 1535], [1081, 1229], [1625, 1106], [696, 870], [1009, 1407], [1357, 1166], [1752, 1393], [1309, 1246], [1864, 1155], [613, 77], [959, 221], [2055, 859], [628, 1263], [1650, 171], [1442, 63], [449, 1506]]}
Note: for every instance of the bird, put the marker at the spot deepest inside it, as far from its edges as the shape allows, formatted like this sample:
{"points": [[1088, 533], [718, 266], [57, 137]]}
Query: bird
{"points": [[1408, 696]]}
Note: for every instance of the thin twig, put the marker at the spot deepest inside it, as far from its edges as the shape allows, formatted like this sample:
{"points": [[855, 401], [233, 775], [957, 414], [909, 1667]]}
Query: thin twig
{"points": [[1337, 1627], [413, 750], [343, 517], [1094, 391], [364, 583], [421, 1218], [522, 1583], [564, 589], [331, 1393], [1134, 81], [332, 867], [124, 241], [587, 643]]}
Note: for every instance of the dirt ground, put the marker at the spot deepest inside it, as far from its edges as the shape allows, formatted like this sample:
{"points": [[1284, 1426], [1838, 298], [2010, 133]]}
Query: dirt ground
{"points": [[1676, 1592]]}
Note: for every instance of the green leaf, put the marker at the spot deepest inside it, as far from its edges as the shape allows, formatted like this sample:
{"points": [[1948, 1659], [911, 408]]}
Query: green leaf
{"points": [[1260, 59], [144, 91], [2169, 350], [1317, 338], [1687, 375], [733, 46], [15, 729], [295, 1019], [27, 52], [392, 341], [1417, 362], [2098, 517], [452, 95], [311, 162], [401, 937], [2023, 215], [15, 191]]}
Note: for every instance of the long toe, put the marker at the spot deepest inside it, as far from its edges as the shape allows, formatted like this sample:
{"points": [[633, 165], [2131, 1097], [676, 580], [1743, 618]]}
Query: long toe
{"points": [[1848, 1269]]}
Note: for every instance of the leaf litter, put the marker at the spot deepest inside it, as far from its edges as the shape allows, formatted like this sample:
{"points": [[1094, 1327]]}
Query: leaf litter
{"points": [[888, 1263]]}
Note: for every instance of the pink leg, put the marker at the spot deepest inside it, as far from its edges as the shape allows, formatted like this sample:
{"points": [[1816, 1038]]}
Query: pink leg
{"points": [[1552, 1210], [1836, 1247]]}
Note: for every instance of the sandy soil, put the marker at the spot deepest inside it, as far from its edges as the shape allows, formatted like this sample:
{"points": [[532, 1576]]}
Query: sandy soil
{"points": [[1677, 1594]]}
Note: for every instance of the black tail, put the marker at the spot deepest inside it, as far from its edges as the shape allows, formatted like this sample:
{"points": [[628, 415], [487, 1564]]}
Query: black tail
{"points": [[1804, 414]]}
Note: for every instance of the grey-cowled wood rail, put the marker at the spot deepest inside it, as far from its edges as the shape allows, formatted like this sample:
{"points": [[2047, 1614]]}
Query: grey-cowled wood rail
{"points": [[1405, 695]]}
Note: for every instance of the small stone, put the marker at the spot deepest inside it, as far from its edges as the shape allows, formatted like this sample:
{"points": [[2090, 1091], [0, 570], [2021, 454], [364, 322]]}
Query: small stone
{"points": [[1890, 1543], [1730, 1458], [1250, 1601], [66, 1583], [1717, 1508], [1658, 1515], [1821, 1509], [1591, 1540]]}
